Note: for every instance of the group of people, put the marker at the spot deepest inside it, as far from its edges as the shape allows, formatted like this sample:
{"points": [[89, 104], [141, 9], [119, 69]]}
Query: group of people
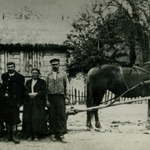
{"points": [[32, 95]]}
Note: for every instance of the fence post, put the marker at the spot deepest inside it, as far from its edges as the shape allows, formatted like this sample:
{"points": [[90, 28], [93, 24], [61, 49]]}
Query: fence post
{"points": [[75, 95], [82, 98], [72, 95], [78, 96]]}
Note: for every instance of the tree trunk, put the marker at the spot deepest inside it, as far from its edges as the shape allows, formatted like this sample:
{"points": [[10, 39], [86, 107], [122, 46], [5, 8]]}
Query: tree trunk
{"points": [[145, 51], [148, 116], [132, 51]]}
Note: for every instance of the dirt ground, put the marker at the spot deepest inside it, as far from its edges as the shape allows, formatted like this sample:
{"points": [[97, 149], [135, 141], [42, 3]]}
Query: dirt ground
{"points": [[123, 128]]}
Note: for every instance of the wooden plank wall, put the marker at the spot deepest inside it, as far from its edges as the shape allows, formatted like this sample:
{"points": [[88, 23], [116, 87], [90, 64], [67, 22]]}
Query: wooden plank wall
{"points": [[25, 61]]}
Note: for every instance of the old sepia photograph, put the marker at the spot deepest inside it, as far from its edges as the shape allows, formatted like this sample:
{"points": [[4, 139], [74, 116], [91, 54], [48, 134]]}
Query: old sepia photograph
{"points": [[74, 74]]}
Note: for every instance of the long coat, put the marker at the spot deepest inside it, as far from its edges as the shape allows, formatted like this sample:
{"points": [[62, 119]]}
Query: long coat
{"points": [[34, 116], [14, 86]]}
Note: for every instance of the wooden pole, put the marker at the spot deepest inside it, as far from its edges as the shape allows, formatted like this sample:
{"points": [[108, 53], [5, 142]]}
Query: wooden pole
{"points": [[115, 104]]}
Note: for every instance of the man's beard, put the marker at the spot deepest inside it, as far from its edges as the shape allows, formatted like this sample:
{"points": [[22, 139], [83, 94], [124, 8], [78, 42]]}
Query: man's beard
{"points": [[55, 69], [11, 71]]}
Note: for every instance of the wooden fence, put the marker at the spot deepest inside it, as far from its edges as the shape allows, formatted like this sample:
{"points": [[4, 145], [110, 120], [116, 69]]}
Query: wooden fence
{"points": [[78, 96]]}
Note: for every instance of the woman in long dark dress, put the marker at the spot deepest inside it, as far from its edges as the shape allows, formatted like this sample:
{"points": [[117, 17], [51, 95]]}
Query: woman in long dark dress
{"points": [[34, 116]]}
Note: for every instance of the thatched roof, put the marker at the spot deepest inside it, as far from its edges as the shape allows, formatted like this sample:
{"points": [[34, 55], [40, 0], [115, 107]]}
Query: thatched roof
{"points": [[33, 32]]}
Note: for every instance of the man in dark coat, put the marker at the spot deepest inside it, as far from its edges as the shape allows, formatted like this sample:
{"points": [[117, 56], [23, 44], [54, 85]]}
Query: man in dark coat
{"points": [[12, 90]]}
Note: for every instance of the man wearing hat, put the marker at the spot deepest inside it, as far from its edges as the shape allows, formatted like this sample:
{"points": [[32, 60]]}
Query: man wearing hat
{"points": [[57, 90]]}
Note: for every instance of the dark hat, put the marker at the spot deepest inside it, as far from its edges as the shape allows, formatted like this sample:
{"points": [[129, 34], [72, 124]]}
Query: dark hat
{"points": [[55, 60]]}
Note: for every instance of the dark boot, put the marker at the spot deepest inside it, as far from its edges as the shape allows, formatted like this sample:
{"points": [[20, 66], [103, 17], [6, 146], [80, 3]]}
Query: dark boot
{"points": [[36, 138], [9, 134], [14, 138]]}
